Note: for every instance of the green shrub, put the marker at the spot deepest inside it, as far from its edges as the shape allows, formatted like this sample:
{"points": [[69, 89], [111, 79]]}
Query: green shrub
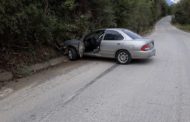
{"points": [[26, 23], [182, 12]]}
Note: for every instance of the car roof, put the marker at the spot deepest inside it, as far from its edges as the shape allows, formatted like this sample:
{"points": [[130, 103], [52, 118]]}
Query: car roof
{"points": [[113, 29]]}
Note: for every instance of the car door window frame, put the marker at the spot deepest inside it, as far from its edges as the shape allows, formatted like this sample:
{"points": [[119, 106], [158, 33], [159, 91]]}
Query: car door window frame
{"points": [[93, 33]]}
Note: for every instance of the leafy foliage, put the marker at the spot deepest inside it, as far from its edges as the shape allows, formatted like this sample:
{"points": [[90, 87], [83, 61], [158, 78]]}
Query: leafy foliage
{"points": [[25, 23], [182, 12]]}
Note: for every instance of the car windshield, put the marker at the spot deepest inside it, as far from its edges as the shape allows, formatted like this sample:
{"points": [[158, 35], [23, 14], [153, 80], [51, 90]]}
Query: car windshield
{"points": [[132, 34]]}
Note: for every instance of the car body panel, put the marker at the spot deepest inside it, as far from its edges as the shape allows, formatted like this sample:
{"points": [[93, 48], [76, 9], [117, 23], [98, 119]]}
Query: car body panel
{"points": [[78, 45]]}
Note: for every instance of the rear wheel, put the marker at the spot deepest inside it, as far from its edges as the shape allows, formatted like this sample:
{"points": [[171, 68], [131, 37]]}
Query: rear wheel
{"points": [[123, 57], [72, 54]]}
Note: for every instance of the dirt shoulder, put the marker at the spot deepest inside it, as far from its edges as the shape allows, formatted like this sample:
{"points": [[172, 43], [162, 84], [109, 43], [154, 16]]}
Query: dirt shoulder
{"points": [[44, 76], [185, 28], [39, 77], [7, 77]]}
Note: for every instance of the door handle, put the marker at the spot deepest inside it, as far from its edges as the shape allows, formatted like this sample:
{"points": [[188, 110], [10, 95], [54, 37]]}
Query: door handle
{"points": [[118, 44]]}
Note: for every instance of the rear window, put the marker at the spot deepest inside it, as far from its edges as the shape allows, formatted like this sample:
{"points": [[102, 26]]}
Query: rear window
{"points": [[132, 34]]}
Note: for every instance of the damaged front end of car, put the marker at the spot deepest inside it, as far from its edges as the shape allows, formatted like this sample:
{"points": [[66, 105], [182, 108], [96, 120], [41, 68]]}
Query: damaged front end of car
{"points": [[74, 49]]}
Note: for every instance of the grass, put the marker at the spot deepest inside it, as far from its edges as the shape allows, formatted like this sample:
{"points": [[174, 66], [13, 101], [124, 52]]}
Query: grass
{"points": [[183, 27]]}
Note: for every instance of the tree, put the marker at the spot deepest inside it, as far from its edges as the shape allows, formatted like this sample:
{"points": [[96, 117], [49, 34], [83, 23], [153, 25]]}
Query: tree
{"points": [[33, 22], [182, 12]]}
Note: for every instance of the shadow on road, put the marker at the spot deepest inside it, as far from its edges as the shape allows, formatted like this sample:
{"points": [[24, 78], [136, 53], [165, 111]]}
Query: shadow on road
{"points": [[99, 59], [142, 61], [134, 62]]}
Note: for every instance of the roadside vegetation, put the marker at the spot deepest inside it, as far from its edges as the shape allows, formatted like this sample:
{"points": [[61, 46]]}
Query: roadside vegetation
{"points": [[183, 27], [30, 29], [181, 13]]}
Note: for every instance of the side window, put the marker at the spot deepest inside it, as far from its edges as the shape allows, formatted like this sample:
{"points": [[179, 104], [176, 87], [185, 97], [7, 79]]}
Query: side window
{"points": [[113, 35]]}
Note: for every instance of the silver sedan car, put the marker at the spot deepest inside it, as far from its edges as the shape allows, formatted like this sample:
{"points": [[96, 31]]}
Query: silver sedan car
{"points": [[120, 44]]}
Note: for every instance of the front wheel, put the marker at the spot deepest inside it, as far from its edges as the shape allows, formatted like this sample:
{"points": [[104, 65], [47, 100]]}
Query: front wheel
{"points": [[123, 57], [72, 54]]}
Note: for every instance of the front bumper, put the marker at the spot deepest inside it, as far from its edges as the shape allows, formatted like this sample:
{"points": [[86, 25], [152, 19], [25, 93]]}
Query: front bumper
{"points": [[144, 54]]}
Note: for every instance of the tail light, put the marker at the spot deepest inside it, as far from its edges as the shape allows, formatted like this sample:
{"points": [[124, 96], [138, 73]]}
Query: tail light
{"points": [[146, 47]]}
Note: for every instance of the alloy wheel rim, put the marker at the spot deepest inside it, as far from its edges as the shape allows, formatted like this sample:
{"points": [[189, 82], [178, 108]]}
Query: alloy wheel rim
{"points": [[123, 57]]}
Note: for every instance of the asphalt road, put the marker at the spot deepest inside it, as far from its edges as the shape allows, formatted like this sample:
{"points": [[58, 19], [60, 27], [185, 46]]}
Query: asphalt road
{"points": [[154, 90]]}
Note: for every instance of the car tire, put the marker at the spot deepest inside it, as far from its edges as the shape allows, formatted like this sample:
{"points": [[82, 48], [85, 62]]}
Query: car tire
{"points": [[123, 57], [72, 54]]}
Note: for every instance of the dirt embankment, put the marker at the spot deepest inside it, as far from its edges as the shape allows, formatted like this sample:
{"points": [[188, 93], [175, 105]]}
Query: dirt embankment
{"points": [[16, 61]]}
